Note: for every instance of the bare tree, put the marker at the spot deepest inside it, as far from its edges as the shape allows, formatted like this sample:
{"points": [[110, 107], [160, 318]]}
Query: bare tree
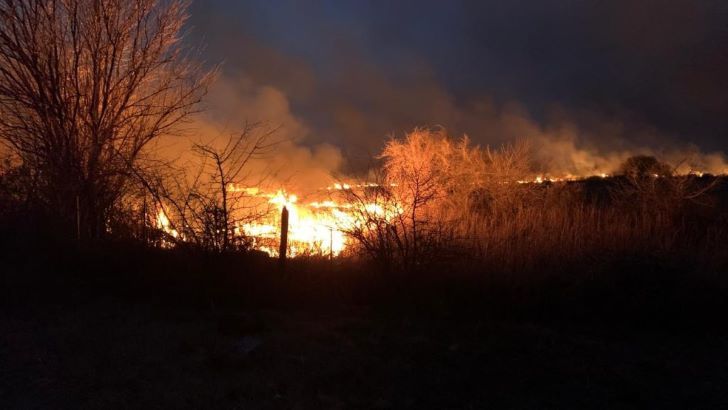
{"points": [[430, 196], [413, 169], [649, 185], [222, 197], [207, 208], [85, 85], [375, 222], [644, 167]]}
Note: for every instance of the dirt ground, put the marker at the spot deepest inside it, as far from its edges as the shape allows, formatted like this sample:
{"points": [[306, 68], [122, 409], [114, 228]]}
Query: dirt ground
{"points": [[120, 354]]}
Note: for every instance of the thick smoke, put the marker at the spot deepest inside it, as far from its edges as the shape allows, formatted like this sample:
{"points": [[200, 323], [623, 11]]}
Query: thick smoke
{"points": [[291, 164], [561, 146], [233, 102], [590, 83], [567, 147]]}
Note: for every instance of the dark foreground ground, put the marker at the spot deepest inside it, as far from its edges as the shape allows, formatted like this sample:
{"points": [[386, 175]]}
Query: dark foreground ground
{"points": [[112, 354], [81, 347]]}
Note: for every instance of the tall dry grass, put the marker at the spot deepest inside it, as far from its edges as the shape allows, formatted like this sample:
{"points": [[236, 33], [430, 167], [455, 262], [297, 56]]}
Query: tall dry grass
{"points": [[467, 207]]}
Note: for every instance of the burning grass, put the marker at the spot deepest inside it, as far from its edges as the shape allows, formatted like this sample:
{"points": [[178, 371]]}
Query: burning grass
{"points": [[436, 201], [439, 201]]}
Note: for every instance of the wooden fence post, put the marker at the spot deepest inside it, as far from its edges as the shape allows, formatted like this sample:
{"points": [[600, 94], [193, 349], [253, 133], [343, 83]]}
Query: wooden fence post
{"points": [[78, 219], [284, 236]]}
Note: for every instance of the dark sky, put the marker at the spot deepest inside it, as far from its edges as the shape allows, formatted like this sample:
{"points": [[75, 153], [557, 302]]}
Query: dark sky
{"points": [[620, 72]]}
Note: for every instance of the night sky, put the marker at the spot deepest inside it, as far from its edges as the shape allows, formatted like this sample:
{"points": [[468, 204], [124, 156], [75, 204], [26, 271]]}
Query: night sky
{"points": [[617, 73]]}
